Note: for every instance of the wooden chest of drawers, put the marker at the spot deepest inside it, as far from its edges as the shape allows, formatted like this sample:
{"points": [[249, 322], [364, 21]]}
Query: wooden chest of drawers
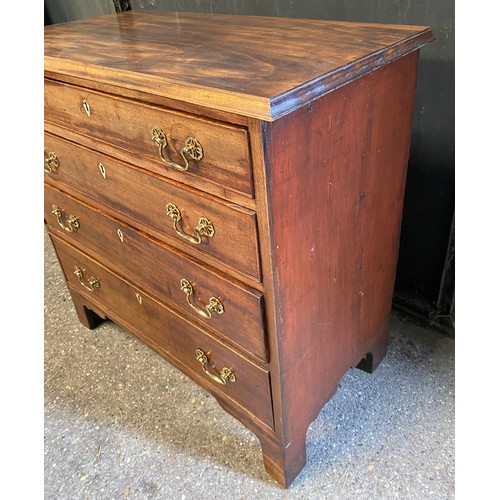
{"points": [[230, 190]]}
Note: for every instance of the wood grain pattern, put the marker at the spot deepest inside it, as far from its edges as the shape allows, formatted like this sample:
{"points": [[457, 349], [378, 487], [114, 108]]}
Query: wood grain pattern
{"points": [[140, 198], [262, 67], [158, 269], [127, 124], [335, 232], [169, 334]]}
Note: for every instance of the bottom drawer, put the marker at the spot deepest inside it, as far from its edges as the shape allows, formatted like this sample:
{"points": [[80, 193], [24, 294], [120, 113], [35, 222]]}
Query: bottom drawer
{"points": [[209, 362]]}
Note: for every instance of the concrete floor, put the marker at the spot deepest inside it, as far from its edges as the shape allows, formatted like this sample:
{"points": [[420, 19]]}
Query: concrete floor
{"points": [[120, 422]]}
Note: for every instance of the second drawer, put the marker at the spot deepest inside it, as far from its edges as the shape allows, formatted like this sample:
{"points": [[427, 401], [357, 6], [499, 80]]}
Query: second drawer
{"points": [[232, 309]]}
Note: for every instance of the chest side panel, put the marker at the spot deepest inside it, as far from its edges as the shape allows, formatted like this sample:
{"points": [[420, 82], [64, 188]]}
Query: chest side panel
{"points": [[336, 175]]}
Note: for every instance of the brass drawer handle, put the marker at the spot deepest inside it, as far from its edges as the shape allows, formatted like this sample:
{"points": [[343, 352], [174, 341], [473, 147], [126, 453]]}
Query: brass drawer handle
{"points": [[92, 283], [204, 227], [221, 378], [72, 223], [52, 162], [215, 305], [192, 149]]}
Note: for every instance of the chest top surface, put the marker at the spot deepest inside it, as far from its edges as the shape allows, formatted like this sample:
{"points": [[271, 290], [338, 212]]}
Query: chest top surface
{"points": [[263, 67]]}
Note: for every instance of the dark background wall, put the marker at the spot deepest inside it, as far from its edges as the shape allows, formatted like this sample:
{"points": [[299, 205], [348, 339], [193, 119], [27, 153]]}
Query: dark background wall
{"points": [[59, 11], [425, 277]]}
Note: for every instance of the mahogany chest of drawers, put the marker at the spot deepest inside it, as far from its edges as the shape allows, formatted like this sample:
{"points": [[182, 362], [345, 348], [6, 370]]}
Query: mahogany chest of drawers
{"points": [[229, 189]]}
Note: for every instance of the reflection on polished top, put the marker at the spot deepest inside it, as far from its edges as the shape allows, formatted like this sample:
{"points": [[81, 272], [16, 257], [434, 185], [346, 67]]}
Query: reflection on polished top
{"points": [[262, 67]]}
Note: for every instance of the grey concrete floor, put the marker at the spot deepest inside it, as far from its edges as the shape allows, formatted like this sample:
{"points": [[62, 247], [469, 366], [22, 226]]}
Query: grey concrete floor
{"points": [[120, 422]]}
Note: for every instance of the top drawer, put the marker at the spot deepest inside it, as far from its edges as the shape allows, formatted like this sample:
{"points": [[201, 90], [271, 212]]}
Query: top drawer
{"points": [[184, 147]]}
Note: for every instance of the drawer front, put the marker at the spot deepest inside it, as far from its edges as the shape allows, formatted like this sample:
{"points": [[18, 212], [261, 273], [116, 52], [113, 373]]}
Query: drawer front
{"points": [[171, 335], [128, 125], [146, 200], [159, 269]]}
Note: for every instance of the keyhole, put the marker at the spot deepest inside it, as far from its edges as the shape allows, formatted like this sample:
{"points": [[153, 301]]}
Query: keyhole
{"points": [[86, 107], [102, 170]]}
